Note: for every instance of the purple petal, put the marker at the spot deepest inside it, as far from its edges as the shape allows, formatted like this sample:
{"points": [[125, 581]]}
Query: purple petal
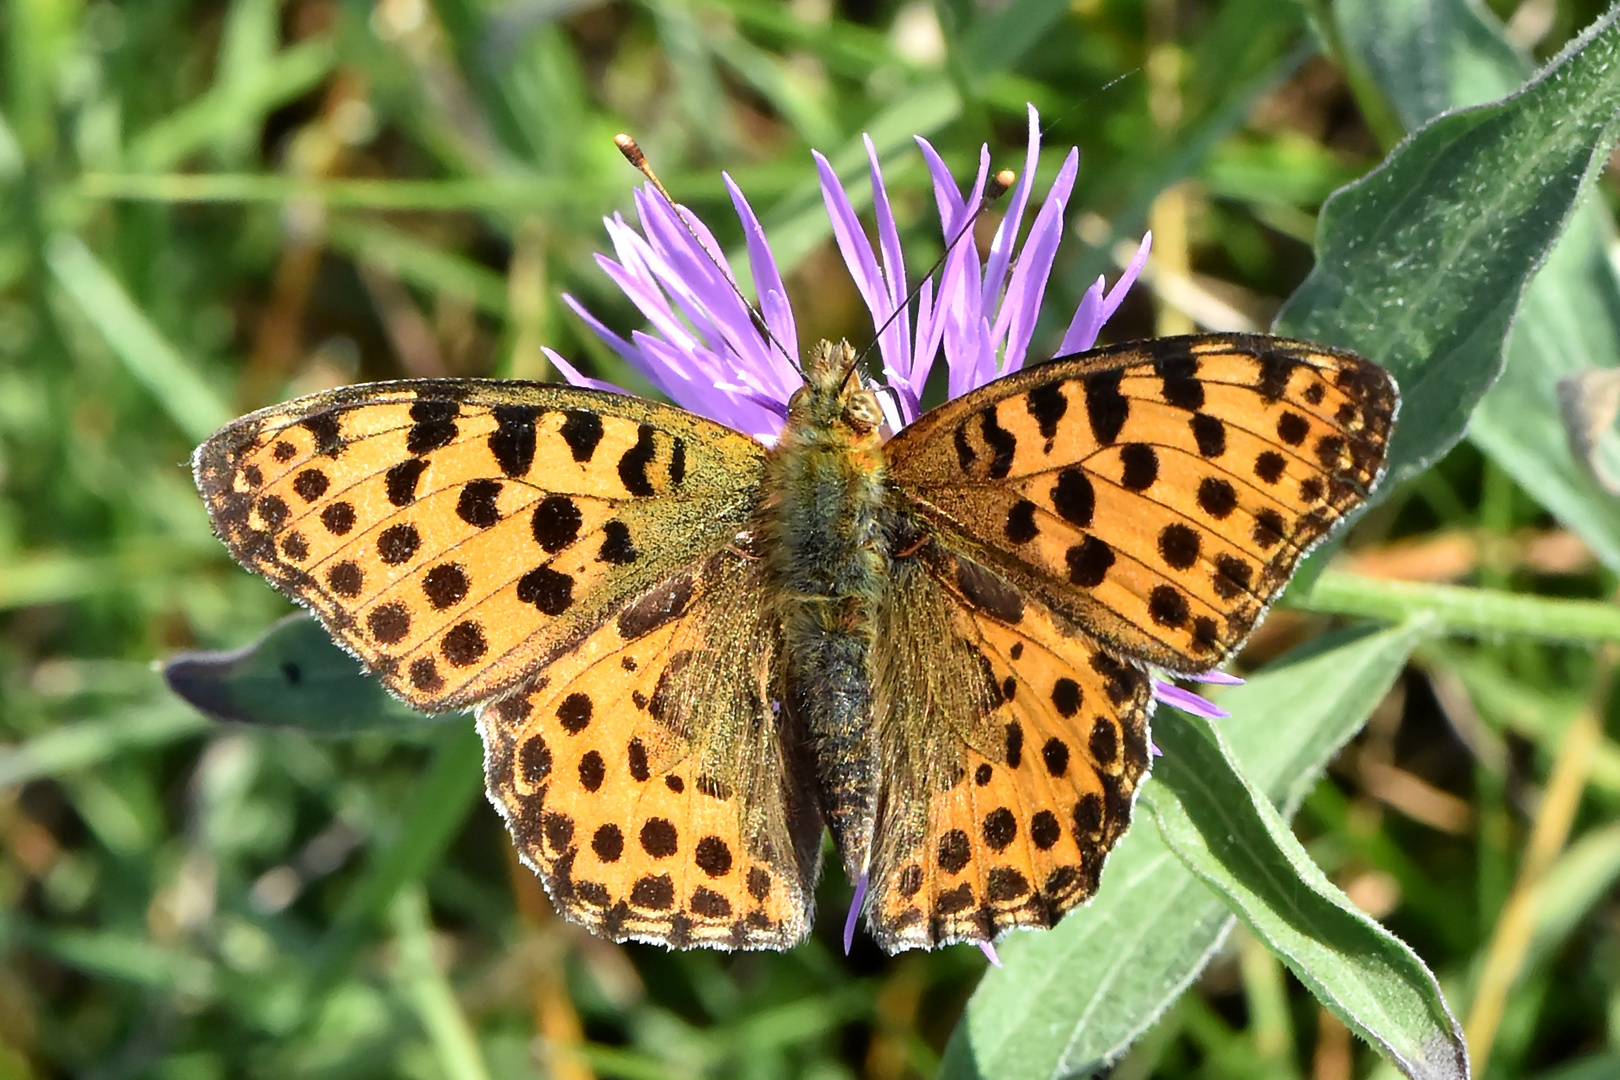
{"points": [[947, 196], [572, 374], [989, 950], [1082, 332], [1219, 678], [767, 282], [1153, 749], [1006, 239], [854, 913], [1116, 295], [1187, 701], [969, 356], [1023, 302], [894, 344], [852, 242], [705, 292], [612, 340]]}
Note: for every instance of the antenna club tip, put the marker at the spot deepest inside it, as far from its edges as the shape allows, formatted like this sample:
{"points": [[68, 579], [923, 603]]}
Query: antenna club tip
{"points": [[630, 149], [1000, 183]]}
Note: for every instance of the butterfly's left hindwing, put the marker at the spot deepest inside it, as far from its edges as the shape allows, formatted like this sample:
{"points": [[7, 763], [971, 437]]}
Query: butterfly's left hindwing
{"points": [[456, 535], [643, 776]]}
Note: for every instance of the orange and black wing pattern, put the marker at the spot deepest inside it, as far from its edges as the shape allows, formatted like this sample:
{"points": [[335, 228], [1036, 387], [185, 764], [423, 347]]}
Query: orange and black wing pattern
{"points": [[1013, 752], [457, 535], [643, 777], [1160, 493]]}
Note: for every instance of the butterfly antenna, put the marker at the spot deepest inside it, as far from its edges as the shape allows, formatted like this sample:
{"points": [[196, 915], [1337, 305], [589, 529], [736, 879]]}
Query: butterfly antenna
{"points": [[994, 188], [637, 157]]}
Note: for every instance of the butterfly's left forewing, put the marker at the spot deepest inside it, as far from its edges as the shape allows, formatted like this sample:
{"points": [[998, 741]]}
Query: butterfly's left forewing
{"points": [[456, 535]]}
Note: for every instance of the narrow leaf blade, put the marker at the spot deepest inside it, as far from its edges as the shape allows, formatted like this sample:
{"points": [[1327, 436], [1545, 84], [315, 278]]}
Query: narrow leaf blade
{"points": [[1421, 264], [1232, 837]]}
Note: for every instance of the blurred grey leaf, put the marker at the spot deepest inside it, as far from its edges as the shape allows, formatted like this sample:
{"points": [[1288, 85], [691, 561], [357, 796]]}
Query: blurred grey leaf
{"points": [[293, 676]]}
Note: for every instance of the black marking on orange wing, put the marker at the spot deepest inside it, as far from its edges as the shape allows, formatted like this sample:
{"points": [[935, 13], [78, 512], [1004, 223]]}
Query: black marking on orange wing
{"points": [[514, 438], [582, 431], [1178, 371], [1001, 442], [1107, 408], [633, 464], [433, 425]]}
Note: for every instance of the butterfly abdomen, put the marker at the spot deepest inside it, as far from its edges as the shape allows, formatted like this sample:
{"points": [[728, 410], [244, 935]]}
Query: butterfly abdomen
{"points": [[827, 562]]}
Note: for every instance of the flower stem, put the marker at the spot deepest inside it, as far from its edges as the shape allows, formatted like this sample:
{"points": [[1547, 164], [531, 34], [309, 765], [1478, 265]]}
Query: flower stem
{"points": [[1474, 612]]}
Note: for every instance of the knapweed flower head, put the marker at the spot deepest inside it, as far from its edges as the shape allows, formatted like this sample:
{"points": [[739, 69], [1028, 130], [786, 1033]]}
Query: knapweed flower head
{"points": [[706, 350], [710, 352]]}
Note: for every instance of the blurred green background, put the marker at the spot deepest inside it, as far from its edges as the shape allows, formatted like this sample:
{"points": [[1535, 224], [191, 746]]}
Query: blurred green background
{"points": [[209, 206]]}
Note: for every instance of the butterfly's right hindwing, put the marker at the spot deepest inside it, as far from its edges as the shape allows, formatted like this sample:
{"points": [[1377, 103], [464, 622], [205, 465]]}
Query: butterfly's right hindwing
{"points": [[457, 535], [1013, 744]]}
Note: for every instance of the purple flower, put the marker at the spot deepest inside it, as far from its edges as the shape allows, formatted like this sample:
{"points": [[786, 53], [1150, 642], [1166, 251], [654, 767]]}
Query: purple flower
{"points": [[705, 350]]}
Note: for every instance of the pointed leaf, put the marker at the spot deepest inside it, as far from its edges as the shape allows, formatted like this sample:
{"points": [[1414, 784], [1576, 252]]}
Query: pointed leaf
{"points": [[1232, 837], [1421, 264]]}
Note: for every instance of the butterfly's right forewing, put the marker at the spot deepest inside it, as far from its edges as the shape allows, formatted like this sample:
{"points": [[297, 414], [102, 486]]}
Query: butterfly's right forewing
{"points": [[1159, 493]]}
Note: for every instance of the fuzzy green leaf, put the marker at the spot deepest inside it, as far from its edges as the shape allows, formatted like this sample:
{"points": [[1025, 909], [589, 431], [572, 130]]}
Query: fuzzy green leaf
{"points": [[294, 676], [1427, 56], [1422, 263], [1236, 842]]}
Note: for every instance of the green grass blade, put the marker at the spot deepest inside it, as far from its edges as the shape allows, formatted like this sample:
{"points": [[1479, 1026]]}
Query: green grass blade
{"points": [[1458, 610], [189, 401], [429, 992]]}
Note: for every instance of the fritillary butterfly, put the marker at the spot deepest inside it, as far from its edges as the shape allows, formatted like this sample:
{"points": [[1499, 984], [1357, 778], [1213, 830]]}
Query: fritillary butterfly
{"points": [[688, 651]]}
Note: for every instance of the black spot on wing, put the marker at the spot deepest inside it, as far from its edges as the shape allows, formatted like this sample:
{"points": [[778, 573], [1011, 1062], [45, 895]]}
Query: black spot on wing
{"points": [[581, 431], [327, 431], [433, 424], [633, 464], [1178, 371], [987, 592], [663, 604], [1001, 442], [1047, 405], [1106, 408], [512, 442], [1276, 368]]}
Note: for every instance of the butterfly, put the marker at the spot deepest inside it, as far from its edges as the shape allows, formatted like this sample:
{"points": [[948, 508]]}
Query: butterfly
{"points": [[690, 653]]}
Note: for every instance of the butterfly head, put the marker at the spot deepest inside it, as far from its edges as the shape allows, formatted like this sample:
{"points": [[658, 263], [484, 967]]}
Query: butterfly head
{"points": [[833, 398]]}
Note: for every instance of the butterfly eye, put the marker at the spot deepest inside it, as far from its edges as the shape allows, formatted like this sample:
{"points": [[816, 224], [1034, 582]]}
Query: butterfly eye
{"points": [[797, 403]]}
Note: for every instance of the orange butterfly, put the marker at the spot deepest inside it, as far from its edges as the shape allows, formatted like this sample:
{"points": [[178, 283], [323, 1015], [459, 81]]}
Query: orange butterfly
{"points": [[688, 651]]}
